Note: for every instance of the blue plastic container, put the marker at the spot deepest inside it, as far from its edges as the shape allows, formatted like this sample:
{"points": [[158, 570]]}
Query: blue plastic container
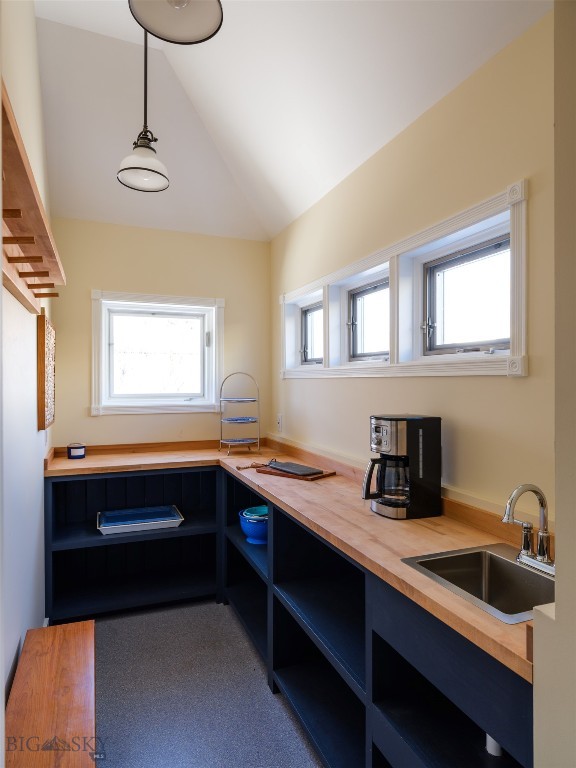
{"points": [[255, 528]]}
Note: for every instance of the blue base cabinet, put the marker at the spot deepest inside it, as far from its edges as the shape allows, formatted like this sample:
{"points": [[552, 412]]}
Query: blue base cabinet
{"points": [[435, 695], [374, 679], [88, 573]]}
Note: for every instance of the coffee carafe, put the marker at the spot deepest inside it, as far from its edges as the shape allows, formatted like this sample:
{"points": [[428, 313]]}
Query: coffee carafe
{"points": [[408, 471]]}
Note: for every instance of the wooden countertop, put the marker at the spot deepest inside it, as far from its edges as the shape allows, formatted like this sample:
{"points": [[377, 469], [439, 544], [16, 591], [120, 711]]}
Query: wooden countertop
{"points": [[332, 507]]}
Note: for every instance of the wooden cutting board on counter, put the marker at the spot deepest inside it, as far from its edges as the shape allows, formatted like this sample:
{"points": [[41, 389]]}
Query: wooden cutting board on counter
{"points": [[290, 476]]}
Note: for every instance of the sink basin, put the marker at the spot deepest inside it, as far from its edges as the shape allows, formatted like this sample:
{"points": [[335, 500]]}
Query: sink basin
{"points": [[490, 578]]}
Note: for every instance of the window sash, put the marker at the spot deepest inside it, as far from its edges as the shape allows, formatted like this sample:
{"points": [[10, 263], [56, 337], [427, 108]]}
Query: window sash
{"points": [[356, 325], [114, 313], [307, 349], [431, 322]]}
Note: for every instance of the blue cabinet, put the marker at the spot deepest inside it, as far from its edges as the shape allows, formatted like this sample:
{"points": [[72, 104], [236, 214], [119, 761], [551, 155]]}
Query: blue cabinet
{"points": [[374, 679], [88, 573]]}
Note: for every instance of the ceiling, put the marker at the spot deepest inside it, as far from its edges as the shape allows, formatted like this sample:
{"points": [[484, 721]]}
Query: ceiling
{"points": [[260, 122]]}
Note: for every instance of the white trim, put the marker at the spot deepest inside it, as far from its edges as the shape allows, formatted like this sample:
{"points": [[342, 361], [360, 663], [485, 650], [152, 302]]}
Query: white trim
{"points": [[153, 298], [134, 405], [464, 365], [404, 260]]}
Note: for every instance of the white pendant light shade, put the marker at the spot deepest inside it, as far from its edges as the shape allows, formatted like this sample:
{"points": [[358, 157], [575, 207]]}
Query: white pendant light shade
{"points": [[179, 21], [141, 170]]}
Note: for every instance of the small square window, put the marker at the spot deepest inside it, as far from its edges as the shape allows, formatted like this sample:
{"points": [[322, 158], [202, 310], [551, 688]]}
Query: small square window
{"points": [[312, 334], [155, 354], [369, 321], [467, 300]]}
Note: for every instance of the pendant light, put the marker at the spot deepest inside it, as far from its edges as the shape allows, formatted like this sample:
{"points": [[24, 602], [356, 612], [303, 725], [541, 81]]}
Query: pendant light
{"points": [[179, 21], [141, 170]]}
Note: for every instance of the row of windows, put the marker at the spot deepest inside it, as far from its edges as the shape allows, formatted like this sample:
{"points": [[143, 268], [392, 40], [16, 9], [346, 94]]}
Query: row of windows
{"points": [[466, 308], [452, 293]]}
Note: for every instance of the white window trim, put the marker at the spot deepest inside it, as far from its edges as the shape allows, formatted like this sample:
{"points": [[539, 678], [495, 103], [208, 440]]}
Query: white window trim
{"points": [[511, 363], [99, 407]]}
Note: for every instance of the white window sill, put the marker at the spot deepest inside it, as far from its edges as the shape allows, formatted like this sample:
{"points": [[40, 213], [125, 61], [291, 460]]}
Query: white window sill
{"points": [[457, 365], [110, 410]]}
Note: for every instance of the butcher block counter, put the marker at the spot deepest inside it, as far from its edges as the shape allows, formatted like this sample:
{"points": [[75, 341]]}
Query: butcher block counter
{"points": [[333, 509]]}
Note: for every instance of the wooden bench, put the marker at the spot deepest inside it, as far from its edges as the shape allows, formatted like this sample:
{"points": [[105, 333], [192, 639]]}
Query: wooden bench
{"points": [[50, 716]]}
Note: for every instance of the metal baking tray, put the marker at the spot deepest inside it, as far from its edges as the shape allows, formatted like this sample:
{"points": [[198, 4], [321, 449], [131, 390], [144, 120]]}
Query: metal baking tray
{"points": [[138, 519]]}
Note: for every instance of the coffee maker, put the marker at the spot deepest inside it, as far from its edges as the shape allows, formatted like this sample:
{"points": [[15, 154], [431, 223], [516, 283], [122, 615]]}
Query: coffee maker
{"points": [[408, 475]]}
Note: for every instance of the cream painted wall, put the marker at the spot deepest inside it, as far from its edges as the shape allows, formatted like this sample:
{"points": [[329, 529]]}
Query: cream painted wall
{"points": [[21, 76], [493, 130], [117, 258]]}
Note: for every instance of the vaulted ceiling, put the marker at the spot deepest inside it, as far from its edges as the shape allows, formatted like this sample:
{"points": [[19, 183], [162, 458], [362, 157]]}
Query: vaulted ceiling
{"points": [[260, 122]]}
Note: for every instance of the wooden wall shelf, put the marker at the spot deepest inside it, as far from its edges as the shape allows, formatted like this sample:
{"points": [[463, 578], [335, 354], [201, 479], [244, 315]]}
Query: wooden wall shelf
{"points": [[26, 234]]}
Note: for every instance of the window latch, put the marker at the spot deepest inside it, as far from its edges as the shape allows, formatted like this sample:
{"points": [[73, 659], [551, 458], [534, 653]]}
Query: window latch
{"points": [[427, 327]]}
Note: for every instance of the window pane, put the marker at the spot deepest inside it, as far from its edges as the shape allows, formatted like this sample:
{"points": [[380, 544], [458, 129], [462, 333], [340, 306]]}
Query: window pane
{"points": [[313, 334], [371, 312], [156, 354], [473, 300]]}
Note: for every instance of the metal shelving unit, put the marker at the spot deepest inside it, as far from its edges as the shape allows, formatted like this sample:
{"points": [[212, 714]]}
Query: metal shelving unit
{"points": [[229, 436]]}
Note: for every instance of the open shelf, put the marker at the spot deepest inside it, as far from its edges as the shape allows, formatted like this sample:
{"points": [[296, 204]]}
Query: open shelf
{"points": [[331, 714], [82, 600], [326, 595], [328, 610], [247, 592], [239, 497], [415, 724], [81, 535], [124, 575], [249, 604], [256, 554], [75, 501]]}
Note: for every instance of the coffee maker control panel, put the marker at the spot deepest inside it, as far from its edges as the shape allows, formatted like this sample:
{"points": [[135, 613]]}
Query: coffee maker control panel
{"points": [[387, 436]]}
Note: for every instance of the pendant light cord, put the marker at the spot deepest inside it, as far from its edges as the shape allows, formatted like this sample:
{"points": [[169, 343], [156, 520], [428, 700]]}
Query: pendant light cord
{"points": [[145, 137], [145, 81]]}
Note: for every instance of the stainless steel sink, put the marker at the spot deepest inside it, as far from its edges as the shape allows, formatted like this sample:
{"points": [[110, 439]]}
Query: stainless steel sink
{"points": [[490, 578]]}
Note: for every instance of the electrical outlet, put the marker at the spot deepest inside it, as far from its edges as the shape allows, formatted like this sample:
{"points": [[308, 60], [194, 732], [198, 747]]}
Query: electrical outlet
{"points": [[279, 422]]}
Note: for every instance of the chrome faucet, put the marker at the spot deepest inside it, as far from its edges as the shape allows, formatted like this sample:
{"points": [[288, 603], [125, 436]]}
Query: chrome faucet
{"points": [[541, 558]]}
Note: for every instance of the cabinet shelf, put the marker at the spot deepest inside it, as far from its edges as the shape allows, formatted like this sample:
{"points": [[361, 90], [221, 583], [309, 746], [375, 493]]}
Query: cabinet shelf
{"points": [[89, 573], [123, 575], [87, 600], [331, 713], [331, 614], [246, 587], [326, 594], [82, 535], [415, 724], [334, 721], [249, 604], [256, 554]]}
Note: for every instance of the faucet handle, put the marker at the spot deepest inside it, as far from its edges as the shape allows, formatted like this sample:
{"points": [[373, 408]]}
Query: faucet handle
{"points": [[526, 548], [543, 547]]}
